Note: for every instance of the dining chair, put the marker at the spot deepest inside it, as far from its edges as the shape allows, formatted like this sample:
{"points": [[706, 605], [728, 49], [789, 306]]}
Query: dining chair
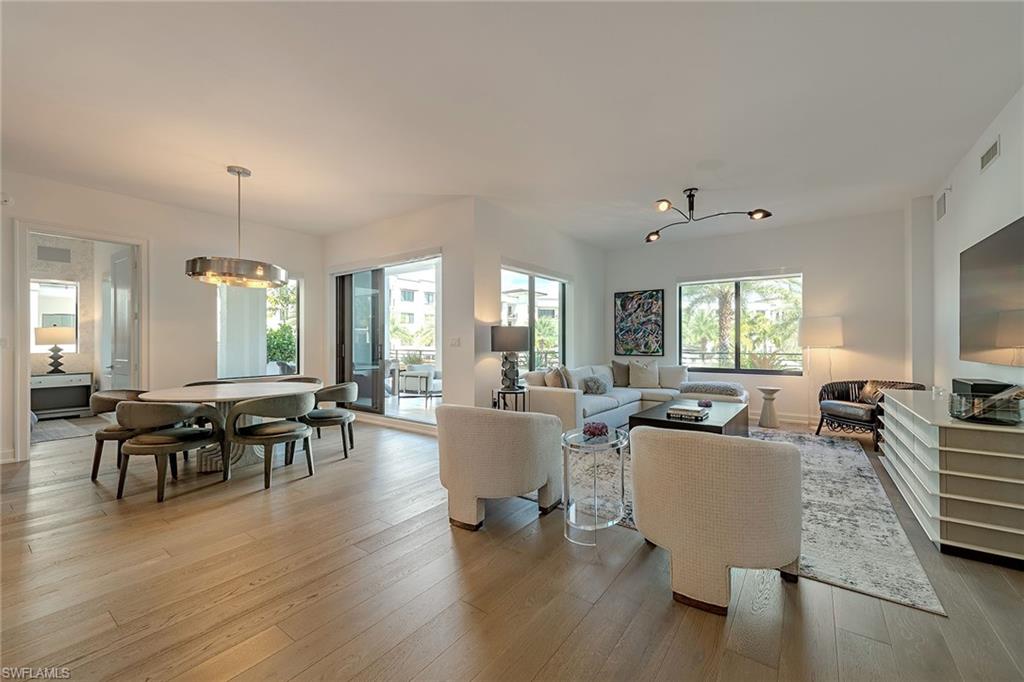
{"points": [[323, 417], [162, 435], [103, 402], [284, 429], [302, 380], [208, 382]]}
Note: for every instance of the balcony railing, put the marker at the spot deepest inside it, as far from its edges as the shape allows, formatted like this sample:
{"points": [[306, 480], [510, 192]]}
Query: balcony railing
{"points": [[749, 361]]}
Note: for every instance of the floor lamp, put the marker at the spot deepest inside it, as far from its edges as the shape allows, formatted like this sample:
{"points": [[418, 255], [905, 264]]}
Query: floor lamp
{"points": [[820, 332]]}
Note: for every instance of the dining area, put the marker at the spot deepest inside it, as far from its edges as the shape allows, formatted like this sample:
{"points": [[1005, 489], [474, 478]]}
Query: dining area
{"points": [[220, 424]]}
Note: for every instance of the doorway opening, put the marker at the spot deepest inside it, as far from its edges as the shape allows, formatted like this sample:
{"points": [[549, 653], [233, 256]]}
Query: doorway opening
{"points": [[388, 338], [82, 329]]}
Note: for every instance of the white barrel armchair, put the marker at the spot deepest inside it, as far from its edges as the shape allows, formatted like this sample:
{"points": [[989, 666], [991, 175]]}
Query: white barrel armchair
{"points": [[488, 454], [716, 502]]}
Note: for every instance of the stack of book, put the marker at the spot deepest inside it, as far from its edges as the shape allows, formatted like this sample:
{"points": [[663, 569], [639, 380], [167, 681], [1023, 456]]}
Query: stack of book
{"points": [[687, 413]]}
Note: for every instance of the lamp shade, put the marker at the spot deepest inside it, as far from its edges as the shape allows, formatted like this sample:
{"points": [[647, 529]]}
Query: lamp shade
{"points": [[821, 332], [56, 336], [1010, 329], [510, 339]]}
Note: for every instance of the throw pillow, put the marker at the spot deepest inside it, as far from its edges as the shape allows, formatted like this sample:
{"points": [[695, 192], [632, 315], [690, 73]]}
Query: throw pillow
{"points": [[643, 374], [671, 376], [712, 388], [570, 382], [620, 373], [593, 385], [554, 378], [871, 393]]}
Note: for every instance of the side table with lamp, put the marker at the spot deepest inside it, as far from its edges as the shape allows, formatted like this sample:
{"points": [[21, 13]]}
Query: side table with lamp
{"points": [[58, 393]]}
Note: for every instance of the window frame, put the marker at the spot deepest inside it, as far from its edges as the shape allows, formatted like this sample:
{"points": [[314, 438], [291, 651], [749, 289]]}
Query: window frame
{"points": [[737, 325], [299, 285], [531, 306], [402, 292]]}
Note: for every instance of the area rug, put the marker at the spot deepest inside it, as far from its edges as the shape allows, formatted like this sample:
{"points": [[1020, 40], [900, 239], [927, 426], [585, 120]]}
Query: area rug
{"points": [[851, 537], [56, 429]]}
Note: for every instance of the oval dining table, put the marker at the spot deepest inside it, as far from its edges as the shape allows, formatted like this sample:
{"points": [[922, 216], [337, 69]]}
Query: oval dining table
{"points": [[224, 397]]}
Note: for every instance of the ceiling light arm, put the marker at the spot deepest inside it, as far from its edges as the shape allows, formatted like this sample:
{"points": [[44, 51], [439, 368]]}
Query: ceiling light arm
{"points": [[715, 215], [687, 218], [680, 222]]}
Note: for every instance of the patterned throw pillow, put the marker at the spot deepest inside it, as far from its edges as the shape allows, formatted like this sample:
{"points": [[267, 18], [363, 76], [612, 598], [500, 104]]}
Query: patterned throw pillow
{"points": [[594, 385], [554, 378], [712, 387], [871, 393]]}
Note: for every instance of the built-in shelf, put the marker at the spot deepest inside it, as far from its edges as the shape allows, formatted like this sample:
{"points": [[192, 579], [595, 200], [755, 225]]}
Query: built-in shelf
{"points": [[963, 481]]}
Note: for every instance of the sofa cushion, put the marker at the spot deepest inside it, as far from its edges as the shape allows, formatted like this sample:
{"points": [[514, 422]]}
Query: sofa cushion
{"points": [[180, 434], [713, 387], [659, 394], [624, 396], [620, 373], [643, 374], [594, 385], [577, 375], [596, 404], [535, 378], [671, 376], [605, 372], [848, 410], [557, 378]]}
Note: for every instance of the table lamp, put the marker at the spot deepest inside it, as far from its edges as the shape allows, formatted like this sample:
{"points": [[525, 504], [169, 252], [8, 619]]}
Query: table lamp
{"points": [[822, 332], [510, 341], [58, 336]]}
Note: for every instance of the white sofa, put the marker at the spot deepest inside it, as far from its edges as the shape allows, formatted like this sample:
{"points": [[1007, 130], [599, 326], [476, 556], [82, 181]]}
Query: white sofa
{"points": [[573, 406]]}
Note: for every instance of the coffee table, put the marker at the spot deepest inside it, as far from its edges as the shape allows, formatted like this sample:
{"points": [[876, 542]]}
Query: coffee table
{"points": [[728, 419]]}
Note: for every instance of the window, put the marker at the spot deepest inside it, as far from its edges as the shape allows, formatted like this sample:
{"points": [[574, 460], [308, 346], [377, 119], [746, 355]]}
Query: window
{"points": [[747, 325], [54, 303], [257, 331], [408, 295], [407, 318], [538, 303], [428, 297]]}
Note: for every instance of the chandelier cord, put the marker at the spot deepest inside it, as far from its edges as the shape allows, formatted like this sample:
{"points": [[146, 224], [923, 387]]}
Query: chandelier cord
{"points": [[239, 176]]}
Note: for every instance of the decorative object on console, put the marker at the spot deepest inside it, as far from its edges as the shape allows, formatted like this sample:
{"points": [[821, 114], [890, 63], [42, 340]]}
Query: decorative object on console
{"points": [[595, 430], [1001, 408], [640, 322], [979, 387], [843, 410], [663, 205], [510, 341], [704, 403], [58, 336], [237, 271]]}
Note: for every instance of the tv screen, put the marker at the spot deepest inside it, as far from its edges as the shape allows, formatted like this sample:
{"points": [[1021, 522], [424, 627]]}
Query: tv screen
{"points": [[992, 298]]}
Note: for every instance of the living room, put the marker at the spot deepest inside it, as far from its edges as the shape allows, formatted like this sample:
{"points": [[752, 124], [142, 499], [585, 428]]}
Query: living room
{"points": [[718, 266]]}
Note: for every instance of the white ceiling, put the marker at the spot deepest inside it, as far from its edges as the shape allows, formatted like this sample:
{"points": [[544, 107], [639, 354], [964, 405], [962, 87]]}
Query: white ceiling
{"points": [[578, 115]]}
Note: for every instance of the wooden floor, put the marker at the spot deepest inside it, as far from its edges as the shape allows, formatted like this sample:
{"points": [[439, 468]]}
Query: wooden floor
{"points": [[355, 573]]}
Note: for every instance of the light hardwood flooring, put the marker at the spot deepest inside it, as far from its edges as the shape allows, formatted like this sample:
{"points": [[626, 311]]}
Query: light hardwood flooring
{"points": [[355, 574]]}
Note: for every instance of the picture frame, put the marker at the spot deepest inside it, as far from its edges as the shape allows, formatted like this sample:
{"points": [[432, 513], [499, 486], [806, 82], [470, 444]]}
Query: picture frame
{"points": [[639, 323]]}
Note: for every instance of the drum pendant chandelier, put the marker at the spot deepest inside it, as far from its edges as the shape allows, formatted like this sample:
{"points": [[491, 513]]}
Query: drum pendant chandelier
{"points": [[663, 205], [238, 271]]}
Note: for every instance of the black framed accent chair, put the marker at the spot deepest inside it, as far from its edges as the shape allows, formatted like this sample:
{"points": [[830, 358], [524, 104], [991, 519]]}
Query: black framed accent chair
{"points": [[852, 406]]}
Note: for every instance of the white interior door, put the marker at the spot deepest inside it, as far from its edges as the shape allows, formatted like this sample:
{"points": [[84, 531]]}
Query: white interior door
{"points": [[123, 318]]}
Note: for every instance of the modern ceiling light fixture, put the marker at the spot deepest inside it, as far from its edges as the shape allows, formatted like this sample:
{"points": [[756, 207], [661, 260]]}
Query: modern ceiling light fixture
{"points": [[664, 205], [238, 271]]}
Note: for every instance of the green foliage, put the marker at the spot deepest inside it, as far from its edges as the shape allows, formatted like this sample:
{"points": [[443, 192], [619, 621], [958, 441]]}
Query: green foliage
{"points": [[283, 300], [282, 345], [412, 359], [399, 334]]}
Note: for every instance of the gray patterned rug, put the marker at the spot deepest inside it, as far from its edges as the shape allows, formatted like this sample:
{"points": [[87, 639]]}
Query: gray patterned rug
{"points": [[57, 429], [851, 537]]}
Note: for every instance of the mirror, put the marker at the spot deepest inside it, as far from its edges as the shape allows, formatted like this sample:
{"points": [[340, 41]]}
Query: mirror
{"points": [[53, 303]]}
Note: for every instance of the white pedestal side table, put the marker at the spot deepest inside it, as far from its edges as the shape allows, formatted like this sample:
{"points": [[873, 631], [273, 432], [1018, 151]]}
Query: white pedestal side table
{"points": [[768, 419]]}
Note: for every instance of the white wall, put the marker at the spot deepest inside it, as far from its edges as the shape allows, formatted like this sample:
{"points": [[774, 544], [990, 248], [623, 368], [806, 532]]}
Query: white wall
{"points": [[979, 204], [183, 324], [851, 267], [919, 302]]}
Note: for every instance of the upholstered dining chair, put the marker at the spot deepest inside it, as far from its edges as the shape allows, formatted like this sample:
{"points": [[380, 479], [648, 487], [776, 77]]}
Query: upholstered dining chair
{"points": [[302, 380], [488, 454], [209, 382], [324, 417], [715, 503], [103, 402], [284, 429], [161, 434]]}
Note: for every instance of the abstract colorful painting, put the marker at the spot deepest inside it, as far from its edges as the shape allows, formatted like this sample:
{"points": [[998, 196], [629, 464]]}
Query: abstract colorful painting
{"points": [[640, 322]]}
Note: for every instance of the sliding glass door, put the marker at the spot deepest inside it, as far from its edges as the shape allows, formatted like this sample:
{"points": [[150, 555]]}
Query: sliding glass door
{"points": [[538, 303], [361, 336]]}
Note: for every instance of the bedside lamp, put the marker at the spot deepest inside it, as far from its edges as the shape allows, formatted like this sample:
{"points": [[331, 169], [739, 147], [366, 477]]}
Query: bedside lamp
{"points": [[822, 332], [510, 341], [58, 336]]}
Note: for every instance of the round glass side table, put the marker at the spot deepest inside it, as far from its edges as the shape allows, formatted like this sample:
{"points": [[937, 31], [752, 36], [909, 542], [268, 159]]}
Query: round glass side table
{"points": [[593, 483]]}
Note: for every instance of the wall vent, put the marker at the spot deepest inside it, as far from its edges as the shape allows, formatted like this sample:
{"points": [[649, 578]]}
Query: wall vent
{"points": [[990, 155], [53, 254], [940, 206]]}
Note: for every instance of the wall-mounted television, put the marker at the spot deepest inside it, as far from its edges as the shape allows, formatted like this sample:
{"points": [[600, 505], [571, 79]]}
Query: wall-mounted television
{"points": [[992, 298]]}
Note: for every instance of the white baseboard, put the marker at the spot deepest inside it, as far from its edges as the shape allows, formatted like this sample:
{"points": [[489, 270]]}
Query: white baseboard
{"points": [[7, 456], [400, 424]]}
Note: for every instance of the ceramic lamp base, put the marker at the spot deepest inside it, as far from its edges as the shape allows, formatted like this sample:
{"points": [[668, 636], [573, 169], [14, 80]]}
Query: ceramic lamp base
{"points": [[55, 361], [509, 370]]}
